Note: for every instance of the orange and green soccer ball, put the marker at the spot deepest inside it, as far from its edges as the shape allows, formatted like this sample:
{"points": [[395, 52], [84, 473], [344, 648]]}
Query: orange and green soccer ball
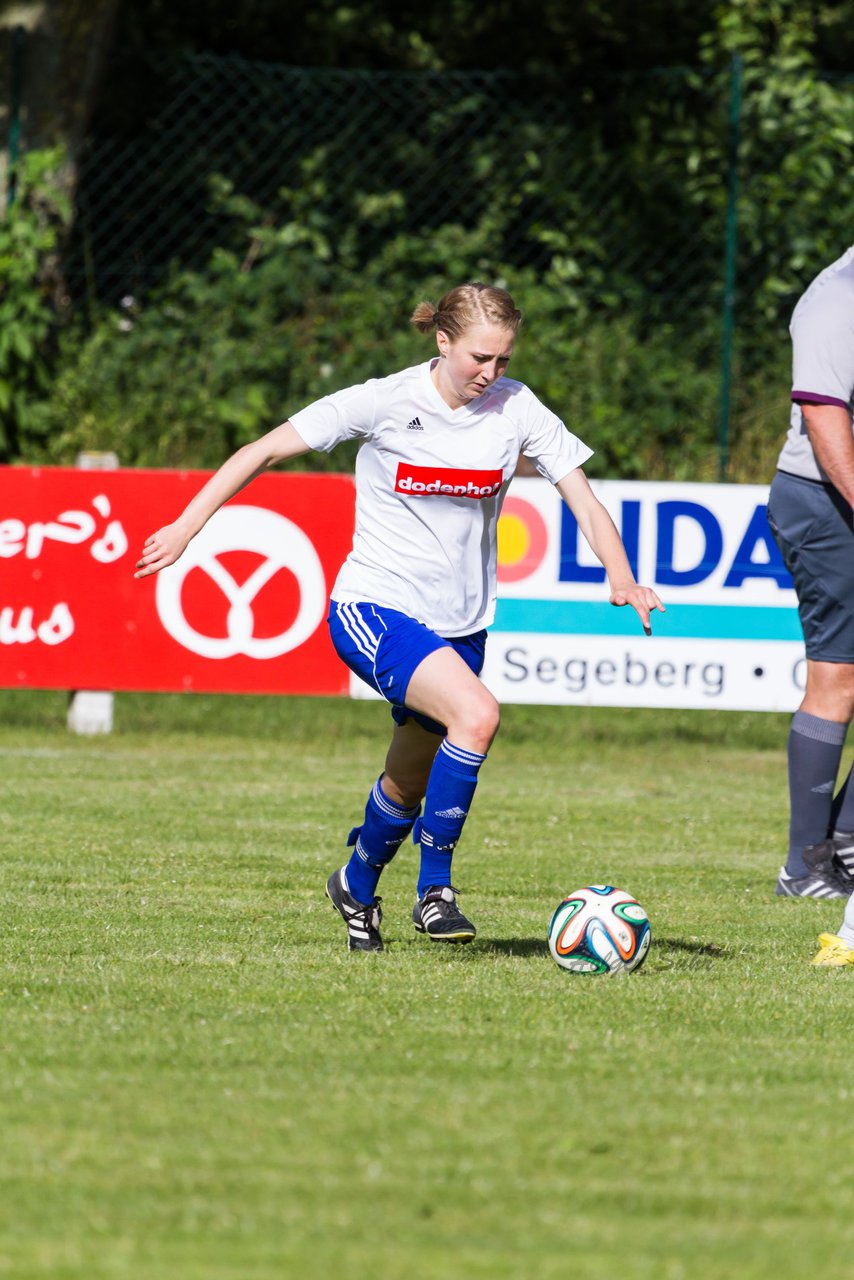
{"points": [[599, 929]]}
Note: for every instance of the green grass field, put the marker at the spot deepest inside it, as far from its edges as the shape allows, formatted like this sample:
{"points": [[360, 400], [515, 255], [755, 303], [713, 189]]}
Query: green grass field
{"points": [[198, 1081]]}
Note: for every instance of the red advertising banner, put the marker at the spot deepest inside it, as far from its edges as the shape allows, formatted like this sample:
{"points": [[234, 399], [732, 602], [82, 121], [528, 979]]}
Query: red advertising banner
{"points": [[242, 611]]}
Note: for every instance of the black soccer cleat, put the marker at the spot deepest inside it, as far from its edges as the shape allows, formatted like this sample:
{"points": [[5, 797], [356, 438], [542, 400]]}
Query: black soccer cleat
{"points": [[831, 859], [438, 915], [842, 845], [363, 922], [812, 885]]}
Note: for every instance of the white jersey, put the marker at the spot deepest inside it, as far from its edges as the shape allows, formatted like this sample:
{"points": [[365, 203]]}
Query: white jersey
{"points": [[822, 332], [430, 481]]}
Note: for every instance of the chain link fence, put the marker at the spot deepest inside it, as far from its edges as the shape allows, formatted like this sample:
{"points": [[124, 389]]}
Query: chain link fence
{"points": [[668, 195], [564, 182]]}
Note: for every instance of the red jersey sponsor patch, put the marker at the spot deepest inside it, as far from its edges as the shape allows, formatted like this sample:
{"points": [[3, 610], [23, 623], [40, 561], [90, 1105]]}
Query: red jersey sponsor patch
{"points": [[447, 481]]}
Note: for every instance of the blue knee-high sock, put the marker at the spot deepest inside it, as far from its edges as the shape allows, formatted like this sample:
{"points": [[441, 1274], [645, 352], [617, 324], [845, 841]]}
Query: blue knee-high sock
{"points": [[376, 841], [450, 789], [815, 749]]}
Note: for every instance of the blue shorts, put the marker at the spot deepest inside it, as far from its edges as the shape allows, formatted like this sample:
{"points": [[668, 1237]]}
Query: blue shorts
{"points": [[384, 647], [812, 524]]}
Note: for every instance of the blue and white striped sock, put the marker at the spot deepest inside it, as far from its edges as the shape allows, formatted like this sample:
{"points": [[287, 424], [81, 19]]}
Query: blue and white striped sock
{"points": [[450, 790], [376, 841]]}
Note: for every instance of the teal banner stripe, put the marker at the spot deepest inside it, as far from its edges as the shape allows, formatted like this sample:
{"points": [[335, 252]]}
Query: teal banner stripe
{"points": [[690, 621]]}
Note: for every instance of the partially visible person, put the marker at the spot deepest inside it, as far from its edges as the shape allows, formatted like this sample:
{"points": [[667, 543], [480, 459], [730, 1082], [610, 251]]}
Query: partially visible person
{"points": [[810, 513], [836, 950], [411, 604]]}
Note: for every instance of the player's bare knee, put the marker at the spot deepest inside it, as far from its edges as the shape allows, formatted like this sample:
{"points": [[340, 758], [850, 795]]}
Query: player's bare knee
{"points": [[477, 724], [493, 722], [830, 691]]}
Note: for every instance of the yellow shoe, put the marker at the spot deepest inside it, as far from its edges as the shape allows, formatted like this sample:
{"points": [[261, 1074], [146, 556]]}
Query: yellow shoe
{"points": [[834, 952]]}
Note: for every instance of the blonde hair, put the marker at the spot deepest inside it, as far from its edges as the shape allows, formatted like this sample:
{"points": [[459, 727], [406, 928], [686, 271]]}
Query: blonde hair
{"points": [[467, 305]]}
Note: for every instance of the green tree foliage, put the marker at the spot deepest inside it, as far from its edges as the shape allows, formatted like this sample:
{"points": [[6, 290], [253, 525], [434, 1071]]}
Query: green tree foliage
{"points": [[796, 137], [29, 235], [585, 37], [605, 216], [215, 357]]}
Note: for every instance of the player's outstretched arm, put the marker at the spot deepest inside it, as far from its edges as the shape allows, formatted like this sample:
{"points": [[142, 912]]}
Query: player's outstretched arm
{"points": [[167, 544], [601, 532]]}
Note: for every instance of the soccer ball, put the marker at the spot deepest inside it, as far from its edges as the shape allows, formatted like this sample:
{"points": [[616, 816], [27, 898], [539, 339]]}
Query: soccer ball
{"points": [[599, 929]]}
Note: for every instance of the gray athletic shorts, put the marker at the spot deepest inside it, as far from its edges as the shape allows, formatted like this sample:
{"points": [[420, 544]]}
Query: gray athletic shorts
{"points": [[814, 529]]}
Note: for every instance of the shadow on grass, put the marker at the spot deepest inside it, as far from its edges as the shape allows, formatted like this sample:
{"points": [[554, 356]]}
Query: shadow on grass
{"points": [[693, 945], [667, 952], [691, 953], [471, 952], [516, 946], [661, 948]]}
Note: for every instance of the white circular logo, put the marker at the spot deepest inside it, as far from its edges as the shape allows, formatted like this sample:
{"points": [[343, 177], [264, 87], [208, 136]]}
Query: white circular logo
{"points": [[283, 546]]}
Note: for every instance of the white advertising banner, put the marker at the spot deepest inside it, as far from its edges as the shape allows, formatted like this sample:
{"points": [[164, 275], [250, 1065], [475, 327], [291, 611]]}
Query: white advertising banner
{"points": [[730, 637]]}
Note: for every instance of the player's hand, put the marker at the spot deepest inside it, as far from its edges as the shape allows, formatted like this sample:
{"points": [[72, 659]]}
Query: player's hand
{"points": [[642, 599], [162, 549]]}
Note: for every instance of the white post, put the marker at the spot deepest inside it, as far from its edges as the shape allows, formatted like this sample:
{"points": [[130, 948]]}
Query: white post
{"points": [[91, 710]]}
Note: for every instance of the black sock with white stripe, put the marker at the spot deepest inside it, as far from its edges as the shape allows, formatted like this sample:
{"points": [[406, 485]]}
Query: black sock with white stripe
{"points": [[815, 749]]}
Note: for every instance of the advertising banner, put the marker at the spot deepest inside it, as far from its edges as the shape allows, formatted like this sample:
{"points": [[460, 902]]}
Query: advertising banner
{"points": [[243, 610], [730, 637]]}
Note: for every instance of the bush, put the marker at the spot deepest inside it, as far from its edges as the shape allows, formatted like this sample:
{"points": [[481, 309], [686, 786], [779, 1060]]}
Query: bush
{"points": [[214, 358], [29, 239]]}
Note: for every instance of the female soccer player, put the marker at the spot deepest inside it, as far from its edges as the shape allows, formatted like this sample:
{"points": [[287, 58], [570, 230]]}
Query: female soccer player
{"points": [[412, 601]]}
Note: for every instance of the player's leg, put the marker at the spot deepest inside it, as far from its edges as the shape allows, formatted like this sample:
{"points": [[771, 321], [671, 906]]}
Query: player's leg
{"points": [[829, 694], [382, 647], [445, 688], [352, 889], [816, 738], [812, 526], [409, 760], [356, 632], [393, 805], [842, 810], [837, 949], [437, 679]]}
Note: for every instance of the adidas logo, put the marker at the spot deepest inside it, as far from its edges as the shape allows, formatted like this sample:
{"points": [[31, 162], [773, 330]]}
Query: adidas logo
{"points": [[456, 812], [414, 425]]}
